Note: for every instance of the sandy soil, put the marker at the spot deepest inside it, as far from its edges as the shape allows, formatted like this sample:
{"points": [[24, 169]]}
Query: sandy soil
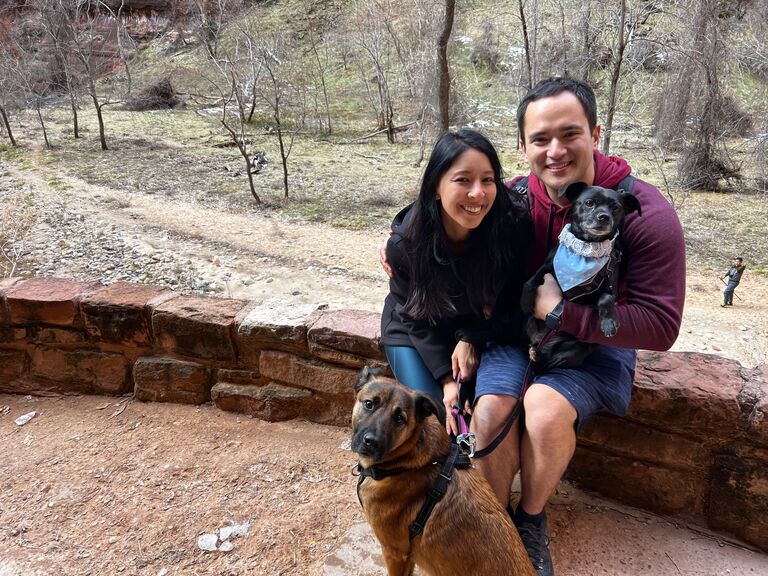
{"points": [[105, 486]]}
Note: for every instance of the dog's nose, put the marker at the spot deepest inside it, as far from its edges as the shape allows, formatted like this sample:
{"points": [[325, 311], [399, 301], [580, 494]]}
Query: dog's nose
{"points": [[370, 441], [603, 218]]}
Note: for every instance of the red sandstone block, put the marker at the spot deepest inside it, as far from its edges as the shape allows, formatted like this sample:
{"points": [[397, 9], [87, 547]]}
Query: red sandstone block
{"points": [[273, 325], [5, 285], [655, 487], [274, 402], [349, 337], [738, 496], [688, 393], [12, 364], [121, 313], [84, 371], [305, 373], [197, 326], [171, 380], [51, 301]]}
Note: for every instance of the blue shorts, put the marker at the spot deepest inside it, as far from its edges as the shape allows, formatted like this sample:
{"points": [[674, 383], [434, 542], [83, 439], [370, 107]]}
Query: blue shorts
{"points": [[604, 381]]}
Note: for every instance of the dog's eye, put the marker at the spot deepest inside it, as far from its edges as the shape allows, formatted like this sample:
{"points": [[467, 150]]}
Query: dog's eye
{"points": [[399, 418], [589, 203], [368, 404]]}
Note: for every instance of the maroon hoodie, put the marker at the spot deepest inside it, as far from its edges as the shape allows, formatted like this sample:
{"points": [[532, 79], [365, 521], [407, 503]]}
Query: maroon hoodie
{"points": [[652, 270]]}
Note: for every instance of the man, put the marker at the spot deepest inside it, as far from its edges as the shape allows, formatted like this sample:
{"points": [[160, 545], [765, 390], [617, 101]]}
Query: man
{"points": [[734, 277], [559, 136]]}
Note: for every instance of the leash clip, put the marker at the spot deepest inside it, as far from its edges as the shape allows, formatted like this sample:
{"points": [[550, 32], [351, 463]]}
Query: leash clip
{"points": [[357, 469], [467, 443]]}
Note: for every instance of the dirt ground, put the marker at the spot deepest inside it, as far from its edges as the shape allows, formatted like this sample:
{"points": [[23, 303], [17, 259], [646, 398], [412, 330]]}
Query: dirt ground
{"points": [[106, 486]]}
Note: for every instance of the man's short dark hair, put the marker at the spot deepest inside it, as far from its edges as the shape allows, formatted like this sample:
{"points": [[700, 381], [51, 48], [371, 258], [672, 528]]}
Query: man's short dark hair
{"points": [[739, 258], [552, 87]]}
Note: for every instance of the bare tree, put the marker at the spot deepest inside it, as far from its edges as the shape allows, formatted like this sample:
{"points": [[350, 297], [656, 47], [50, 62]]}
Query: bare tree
{"points": [[372, 37], [59, 30], [237, 77], [282, 94], [322, 61], [9, 94]]}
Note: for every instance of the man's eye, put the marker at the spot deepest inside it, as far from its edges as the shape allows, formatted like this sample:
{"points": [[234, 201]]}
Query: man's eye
{"points": [[368, 404]]}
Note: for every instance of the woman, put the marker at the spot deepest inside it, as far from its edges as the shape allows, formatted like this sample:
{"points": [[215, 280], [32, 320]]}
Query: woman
{"points": [[458, 257]]}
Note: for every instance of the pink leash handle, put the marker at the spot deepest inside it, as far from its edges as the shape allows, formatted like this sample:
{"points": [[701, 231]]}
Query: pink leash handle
{"points": [[465, 439]]}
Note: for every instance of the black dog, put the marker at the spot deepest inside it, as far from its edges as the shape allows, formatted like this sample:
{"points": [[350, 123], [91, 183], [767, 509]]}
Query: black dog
{"points": [[586, 268]]}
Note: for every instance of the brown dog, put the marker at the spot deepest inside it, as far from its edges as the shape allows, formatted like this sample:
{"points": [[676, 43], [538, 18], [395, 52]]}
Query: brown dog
{"points": [[468, 533]]}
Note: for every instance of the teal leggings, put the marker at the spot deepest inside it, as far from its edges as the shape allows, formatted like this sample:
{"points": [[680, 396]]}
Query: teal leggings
{"points": [[409, 369]]}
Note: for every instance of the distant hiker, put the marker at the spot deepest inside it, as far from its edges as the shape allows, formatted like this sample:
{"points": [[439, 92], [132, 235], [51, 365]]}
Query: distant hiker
{"points": [[734, 277]]}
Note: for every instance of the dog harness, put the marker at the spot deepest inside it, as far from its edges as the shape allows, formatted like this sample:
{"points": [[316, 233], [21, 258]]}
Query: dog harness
{"points": [[456, 459], [582, 267]]}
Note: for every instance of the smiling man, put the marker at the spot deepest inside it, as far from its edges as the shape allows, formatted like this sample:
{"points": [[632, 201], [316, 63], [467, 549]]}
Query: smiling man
{"points": [[559, 136]]}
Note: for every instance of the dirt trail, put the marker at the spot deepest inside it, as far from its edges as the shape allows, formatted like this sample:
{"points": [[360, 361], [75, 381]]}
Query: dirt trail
{"points": [[108, 486]]}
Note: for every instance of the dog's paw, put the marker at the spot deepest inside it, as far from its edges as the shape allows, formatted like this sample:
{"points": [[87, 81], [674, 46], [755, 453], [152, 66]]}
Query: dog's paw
{"points": [[532, 354], [610, 327]]}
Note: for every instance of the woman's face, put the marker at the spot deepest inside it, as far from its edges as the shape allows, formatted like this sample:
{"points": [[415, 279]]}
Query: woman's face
{"points": [[466, 193]]}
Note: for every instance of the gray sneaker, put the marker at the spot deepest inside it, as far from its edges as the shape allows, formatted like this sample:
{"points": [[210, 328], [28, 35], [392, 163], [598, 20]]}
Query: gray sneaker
{"points": [[536, 541]]}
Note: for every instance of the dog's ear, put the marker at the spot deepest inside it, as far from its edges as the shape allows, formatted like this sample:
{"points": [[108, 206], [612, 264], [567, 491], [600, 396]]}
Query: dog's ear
{"points": [[572, 191], [425, 406], [366, 374], [630, 203]]}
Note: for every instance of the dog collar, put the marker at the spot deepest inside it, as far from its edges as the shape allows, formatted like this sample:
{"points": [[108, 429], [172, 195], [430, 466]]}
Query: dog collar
{"points": [[586, 249], [576, 262]]}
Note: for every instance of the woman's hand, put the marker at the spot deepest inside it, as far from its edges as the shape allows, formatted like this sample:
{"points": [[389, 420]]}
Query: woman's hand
{"points": [[464, 360], [450, 399]]}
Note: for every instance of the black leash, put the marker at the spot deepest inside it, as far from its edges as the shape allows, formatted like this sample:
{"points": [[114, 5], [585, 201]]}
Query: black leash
{"points": [[456, 459]]}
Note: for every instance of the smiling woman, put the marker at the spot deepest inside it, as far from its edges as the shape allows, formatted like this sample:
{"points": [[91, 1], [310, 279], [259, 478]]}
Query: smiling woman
{"points": [[457, 256]]}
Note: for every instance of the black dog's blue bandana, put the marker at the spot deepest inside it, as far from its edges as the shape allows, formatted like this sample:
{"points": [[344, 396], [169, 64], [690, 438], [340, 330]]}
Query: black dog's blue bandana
{"points": [[577, 262]]}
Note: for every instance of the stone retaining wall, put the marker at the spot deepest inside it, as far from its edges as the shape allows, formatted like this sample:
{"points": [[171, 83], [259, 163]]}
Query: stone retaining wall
{"points": [[694, 443]]}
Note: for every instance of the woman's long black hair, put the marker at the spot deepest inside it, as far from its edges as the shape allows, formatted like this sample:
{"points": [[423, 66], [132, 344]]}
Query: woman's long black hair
{"points": [[499, 243]]}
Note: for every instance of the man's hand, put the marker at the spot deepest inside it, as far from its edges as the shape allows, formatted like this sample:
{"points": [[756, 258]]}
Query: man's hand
{"points": [[548, 295], [383, 259], [464, 360]]}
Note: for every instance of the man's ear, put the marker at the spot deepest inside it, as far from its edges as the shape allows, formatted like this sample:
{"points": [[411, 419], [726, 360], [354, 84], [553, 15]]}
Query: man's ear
{"points": [[425, 406], [367, 374], [630, 203], [572, 191]]}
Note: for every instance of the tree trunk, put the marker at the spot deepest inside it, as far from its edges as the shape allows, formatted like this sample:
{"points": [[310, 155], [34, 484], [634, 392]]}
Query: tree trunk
{"points": [[444, 91], [7, 126], [73, 103], [526, 45], [618, 59], [102, 136], [42, 124]]}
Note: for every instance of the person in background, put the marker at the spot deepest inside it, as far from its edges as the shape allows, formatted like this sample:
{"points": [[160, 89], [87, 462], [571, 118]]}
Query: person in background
{"points": [[734, 277]]}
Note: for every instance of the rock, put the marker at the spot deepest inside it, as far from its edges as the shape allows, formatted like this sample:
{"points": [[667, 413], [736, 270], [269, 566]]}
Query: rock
{"points": [[274, 324], [234, 531], [21, 420], [196, 326], [207, 542], [52, 301], [171, 380]]}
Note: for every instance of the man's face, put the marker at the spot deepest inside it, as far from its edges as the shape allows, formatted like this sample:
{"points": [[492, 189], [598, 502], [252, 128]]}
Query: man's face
{"points": [[558, 143]]}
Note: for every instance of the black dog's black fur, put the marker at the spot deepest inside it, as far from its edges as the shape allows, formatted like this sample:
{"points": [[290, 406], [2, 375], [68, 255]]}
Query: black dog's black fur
{"points": [[596, 215]]}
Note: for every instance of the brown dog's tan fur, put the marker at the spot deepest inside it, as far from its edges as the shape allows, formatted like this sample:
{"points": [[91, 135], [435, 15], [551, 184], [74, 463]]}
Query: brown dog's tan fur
{"points": [[469, 532]]}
